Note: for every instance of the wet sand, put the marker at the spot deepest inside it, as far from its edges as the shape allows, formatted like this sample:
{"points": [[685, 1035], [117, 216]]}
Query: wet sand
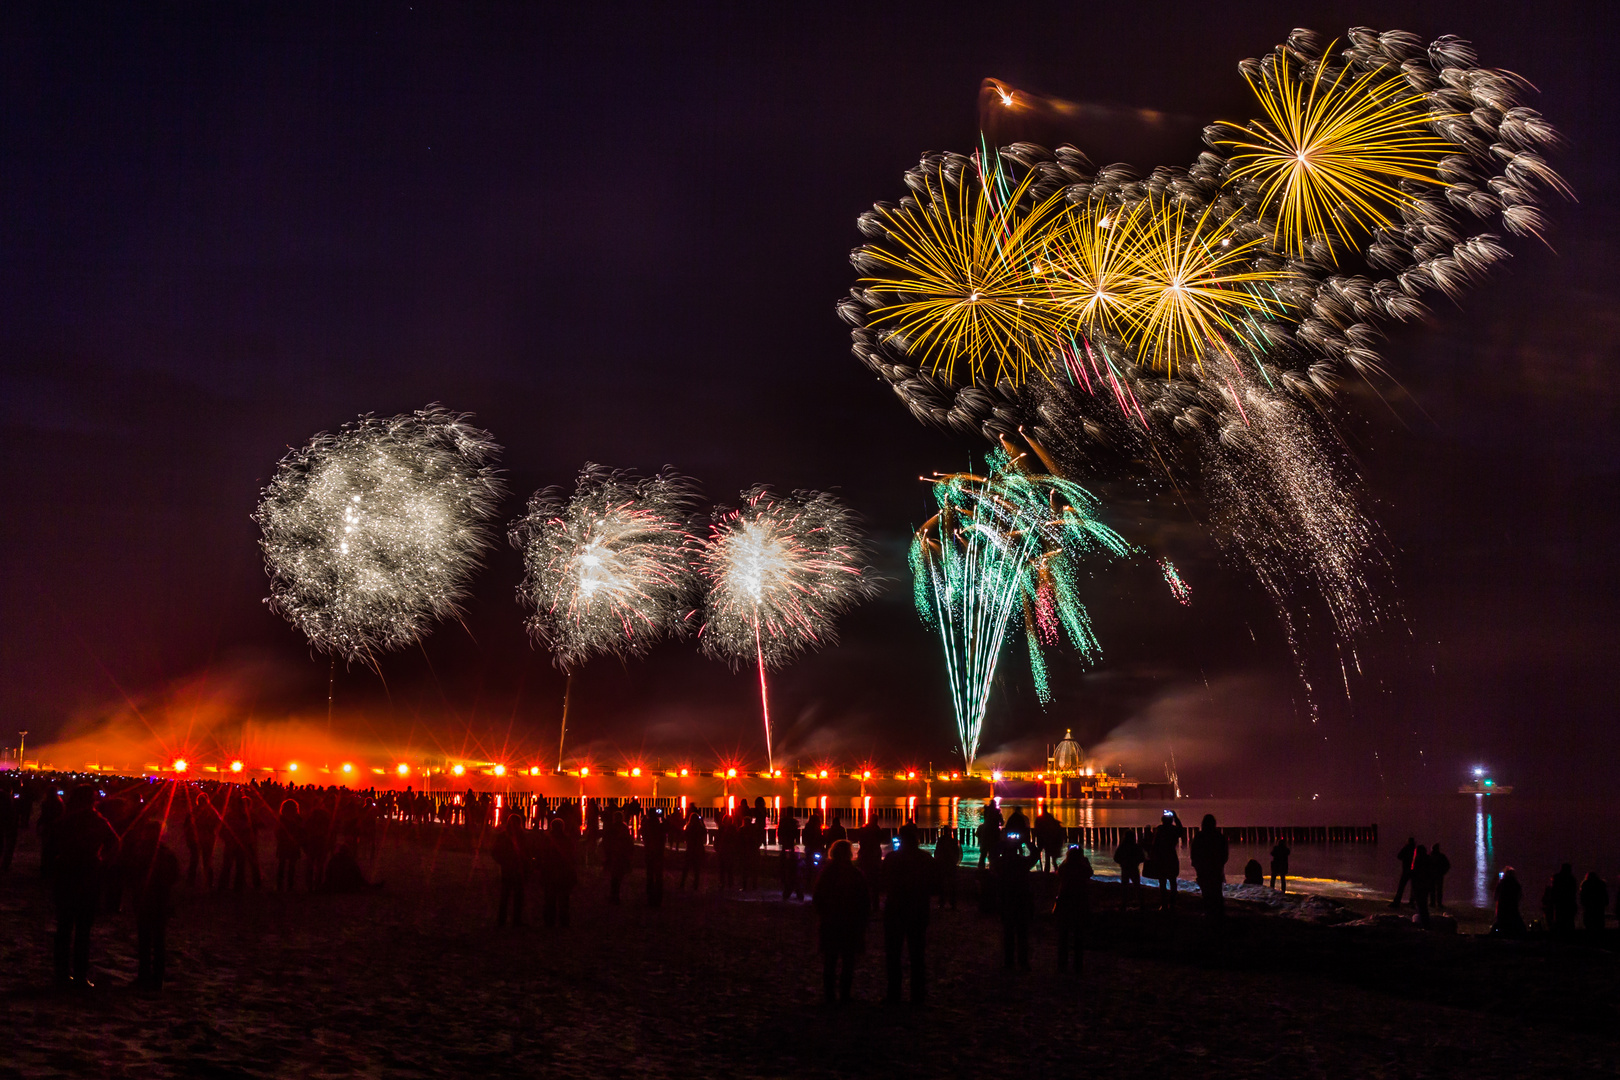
{"points": [[414, 980]]}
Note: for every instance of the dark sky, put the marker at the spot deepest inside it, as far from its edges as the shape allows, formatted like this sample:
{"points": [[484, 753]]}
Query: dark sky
{"points": [[616, 233]]}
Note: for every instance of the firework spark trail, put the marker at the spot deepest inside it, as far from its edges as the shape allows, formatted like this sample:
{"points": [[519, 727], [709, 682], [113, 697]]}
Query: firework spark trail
{"points": [[1007, 541], [779, 571], [370, 534]]}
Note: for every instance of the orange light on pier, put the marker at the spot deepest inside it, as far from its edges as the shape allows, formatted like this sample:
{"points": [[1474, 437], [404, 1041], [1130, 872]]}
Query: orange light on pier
{"points": [[534, 770], [823, 774], [911, 775], [236, 766], [866, 775], [777, 774], [403, 769], [292, 766], [500, 770], [584, 770], [458, 769], [731, 774], [683, 773], [348, 767], [180, 764], [635, 771]]}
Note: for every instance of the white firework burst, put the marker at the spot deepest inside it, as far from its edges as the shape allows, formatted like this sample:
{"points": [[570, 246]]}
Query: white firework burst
{"points": [[371, 534], [779, 570], [606, 568]]}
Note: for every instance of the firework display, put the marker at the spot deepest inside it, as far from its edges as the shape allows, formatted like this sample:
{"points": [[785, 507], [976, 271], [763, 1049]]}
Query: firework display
{"points": [[779, 571], [1011, 541], [1190, 328], [370, 534], [605, 568]]}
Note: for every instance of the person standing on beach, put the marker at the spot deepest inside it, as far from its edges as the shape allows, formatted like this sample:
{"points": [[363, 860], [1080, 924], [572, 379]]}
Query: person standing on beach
{"points": [[289, 842], [86, 843], [814, 844], [558, 873], [843, 906], [1210, 853], [1404, 857], [51, 812], [1422, 884], [869, 857], [156, 869], [1049, 838], [750, 838], [1565, 901], [1279, 866], [241, 847], [1164, 860], [511, 853], [1073, 907], [654, 832], [1129, 856], [617, 851], [834, 831], [787, 863], [1509, 920], [1016, 899], [908, 873], [1439, 867], [696, 835], [1594, 902], [947, 857]]}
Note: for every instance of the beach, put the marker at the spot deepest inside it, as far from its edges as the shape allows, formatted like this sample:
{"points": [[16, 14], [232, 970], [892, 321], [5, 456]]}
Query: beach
{"points": [[415, 980]]}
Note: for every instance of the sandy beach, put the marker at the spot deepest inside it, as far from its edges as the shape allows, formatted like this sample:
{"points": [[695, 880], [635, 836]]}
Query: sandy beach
{"points": [[415, 980]]}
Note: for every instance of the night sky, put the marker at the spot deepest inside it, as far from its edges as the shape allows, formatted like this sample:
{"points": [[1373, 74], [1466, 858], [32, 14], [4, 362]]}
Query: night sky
{"points": [[617, 234]]}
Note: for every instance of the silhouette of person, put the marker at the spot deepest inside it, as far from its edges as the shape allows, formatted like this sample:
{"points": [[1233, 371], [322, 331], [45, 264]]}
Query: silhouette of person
{"points": [[1439, 867], [511, 853], [843, 907], [869, 857], [815, 843], [1072, 908], [1594, 902], [1049, 838], [1404, 857], [1210, 853], [1129, 857], [1015, 898], [787, 863], [558, 872], [1509, 919], [318, 844], [654, 833], [617, 851], [86, 842], [909, 873], [241, 846], [51, 811], [289, 842], [988, 834], [206, 820], [154, 872], [834, 831], [1164, 857], [750, 838], [1422, 878], [947, 857], [1565, 900], [1279, 866], [696, 835], [1254, 873]]}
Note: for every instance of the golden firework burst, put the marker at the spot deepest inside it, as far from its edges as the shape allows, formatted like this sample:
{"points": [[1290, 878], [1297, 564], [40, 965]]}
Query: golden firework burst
{"points": [[965, 286], [1331, 153]]}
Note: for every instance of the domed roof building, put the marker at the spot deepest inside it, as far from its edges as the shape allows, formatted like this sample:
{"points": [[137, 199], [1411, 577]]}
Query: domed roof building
{"points": [[1067, 757]]}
